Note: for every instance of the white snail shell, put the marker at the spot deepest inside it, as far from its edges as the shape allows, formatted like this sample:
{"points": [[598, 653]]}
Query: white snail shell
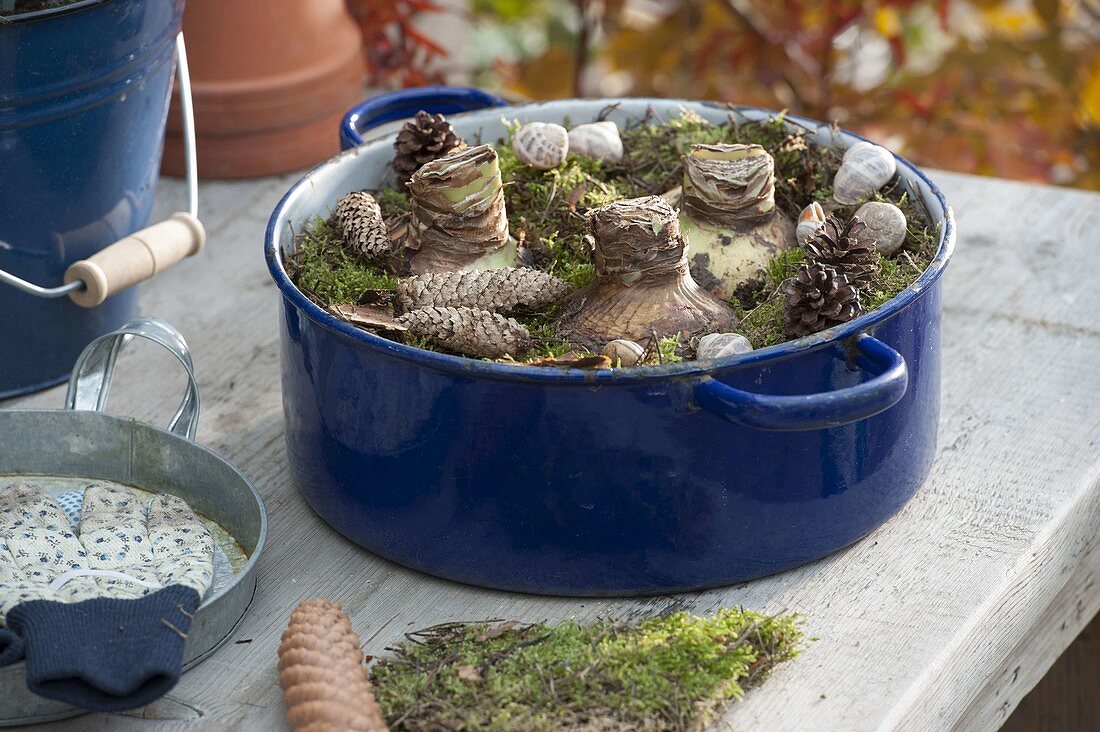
{"points": [[541, 145], [865, 168], [810, 222], [623, 352], [719, 345], [886, 223], [598, 140]]}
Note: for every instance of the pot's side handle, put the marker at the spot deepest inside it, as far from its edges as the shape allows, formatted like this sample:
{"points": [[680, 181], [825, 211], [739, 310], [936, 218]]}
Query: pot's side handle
{"points": [[884, 389], [405, 103]]}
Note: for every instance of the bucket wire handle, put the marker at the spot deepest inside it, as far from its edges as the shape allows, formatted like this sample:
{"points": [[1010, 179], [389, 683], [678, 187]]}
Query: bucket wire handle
{"points": [[139, 256], [91, 378]]}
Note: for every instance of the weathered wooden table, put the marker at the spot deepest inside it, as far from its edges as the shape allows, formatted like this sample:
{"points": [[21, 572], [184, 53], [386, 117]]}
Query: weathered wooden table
{"points": [[943, 618]]}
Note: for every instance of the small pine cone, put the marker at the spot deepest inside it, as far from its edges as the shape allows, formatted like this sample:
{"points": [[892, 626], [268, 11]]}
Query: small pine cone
{"points": [[497, 290], [423, 138], [359, 218], [321, 672], [818, 297], [468, 331], [847, 248]]}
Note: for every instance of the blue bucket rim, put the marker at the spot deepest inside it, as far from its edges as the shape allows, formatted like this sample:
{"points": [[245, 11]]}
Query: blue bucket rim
{"points": [[685, 369]]}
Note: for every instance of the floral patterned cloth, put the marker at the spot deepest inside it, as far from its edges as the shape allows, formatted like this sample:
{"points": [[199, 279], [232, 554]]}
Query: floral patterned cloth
{"points": [[125, 548]]}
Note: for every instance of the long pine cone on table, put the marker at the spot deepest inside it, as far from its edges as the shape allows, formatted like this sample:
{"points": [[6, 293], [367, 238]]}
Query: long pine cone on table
{"points": [[321, 671]]}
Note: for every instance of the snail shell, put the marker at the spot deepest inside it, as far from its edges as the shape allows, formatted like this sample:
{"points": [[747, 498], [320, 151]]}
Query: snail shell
{"points": [[542, 145], [810, 222], [598, 140], [886, 223], [720, 345], [623, 352], [865, 168]]}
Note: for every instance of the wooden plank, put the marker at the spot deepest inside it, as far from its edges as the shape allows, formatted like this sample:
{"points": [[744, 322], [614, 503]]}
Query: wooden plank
{"points": [[1065, 700], [915, 625]]}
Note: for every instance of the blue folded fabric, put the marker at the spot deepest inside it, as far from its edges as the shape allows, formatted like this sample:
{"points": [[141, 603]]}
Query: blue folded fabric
{"points": [[103, 654], [11, 648]]}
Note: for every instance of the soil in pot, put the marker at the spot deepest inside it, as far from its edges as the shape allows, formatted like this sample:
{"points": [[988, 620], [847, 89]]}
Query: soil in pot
{"points": [[561, 248]]}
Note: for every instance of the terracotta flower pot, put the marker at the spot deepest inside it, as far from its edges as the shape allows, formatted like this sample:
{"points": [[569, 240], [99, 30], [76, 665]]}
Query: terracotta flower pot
{"points": [[271, 79]]}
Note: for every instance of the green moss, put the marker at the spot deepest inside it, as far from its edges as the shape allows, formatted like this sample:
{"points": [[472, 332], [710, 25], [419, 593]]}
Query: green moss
{"points": [[785, 265], [547, 208], [668, 350], [763, 325], [322, 267], [394, 203], [545, 343], [569, 259], [651, 151], [668, 673]]}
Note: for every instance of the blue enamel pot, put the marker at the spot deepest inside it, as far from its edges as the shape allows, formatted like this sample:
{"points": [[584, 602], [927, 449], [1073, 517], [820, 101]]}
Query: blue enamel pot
{"points": [[387, 112], [83, 100], [612, 482]]}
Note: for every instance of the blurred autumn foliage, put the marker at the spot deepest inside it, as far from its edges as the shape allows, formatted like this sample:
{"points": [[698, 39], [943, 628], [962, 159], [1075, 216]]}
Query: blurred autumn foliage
{"points": [[1000, 87], [398, 52]]}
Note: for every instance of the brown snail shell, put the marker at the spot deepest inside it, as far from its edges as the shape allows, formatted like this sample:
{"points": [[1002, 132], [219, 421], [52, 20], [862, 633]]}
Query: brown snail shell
{"points": [[542, 145], [810, 222], [865, 168], [597, 140], [886, 223], [623, 352]]}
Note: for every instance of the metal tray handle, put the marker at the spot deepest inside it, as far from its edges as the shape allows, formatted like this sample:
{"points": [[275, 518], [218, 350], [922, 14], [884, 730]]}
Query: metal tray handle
{"points": [[91, 378]]}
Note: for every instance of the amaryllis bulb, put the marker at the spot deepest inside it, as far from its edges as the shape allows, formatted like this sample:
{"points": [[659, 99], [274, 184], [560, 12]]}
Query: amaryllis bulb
{"points": [[642, 285], [729, 216], [459, 221]]}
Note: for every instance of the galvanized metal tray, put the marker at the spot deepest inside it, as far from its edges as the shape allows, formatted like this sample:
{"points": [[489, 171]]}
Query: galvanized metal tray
{"points": [[63, 450]]}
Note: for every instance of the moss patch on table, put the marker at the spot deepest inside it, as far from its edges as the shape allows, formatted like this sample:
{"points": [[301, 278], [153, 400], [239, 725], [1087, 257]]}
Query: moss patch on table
{"points": [[675, 672]]}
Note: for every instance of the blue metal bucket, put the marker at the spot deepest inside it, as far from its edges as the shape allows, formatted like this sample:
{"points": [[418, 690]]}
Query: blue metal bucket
{"points": [[83, 101], [635, 481]]}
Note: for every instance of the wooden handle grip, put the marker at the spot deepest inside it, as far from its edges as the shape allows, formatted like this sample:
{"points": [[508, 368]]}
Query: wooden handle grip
{"points": [[136, 258]]}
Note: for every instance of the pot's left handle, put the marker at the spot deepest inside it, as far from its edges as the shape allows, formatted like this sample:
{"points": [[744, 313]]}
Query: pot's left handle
{"points": [[885, 388], [91, 378], [404, 103]]}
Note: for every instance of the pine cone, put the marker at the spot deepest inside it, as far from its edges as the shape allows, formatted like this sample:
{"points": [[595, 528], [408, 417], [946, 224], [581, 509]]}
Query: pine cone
{"points": [[497, 290], [325, 685], [423, 138], [359, 218], [847, 248], [468, 331], [818, 297]]}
